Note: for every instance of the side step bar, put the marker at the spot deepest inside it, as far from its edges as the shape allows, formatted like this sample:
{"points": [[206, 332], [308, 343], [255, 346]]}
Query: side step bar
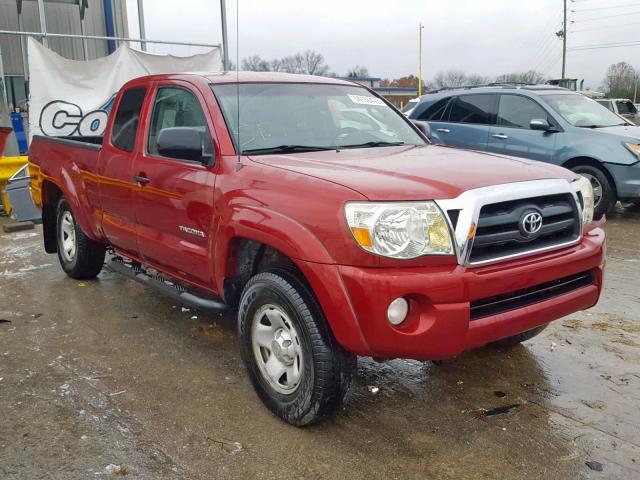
{"points": [[179, 293]]}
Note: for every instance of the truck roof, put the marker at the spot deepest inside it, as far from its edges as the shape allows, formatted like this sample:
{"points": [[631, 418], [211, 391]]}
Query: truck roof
{"points": [[248, 77]]}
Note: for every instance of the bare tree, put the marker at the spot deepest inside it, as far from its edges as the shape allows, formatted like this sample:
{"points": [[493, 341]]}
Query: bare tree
{"points": [[620, 80], [314, 63], [450, 79], [530, 76], [255, 63]]}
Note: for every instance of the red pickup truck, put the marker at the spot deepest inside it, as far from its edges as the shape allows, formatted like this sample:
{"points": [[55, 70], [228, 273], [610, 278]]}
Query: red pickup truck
{"points": [[325, 218]]}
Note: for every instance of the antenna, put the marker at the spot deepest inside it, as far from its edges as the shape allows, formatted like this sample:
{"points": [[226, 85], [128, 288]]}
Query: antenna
{"points": [[239, 145]]}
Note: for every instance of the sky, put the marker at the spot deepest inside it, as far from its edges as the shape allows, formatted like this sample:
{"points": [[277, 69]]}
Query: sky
{"points": [[489, 37]]}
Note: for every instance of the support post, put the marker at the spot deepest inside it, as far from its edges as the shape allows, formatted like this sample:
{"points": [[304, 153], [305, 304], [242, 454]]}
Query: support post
{"points": [[43, 23], [4, 92], [143, 34], [225, 44], [564, 40], [420, 27], [82, 5], [23, 47]]}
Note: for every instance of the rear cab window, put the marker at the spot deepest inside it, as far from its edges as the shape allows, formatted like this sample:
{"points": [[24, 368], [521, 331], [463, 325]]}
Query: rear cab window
{"points": [[125, 125], [479, 109]]}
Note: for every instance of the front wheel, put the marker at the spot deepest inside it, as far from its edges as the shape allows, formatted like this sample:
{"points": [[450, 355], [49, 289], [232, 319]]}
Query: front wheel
{"points": [[292, 358], [80, 257], [604, 195]]}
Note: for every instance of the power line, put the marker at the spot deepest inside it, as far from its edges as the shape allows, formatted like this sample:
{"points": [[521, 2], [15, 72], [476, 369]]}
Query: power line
{"points": [[605, 16], [604, 28], [606, 8], [606, 45]]}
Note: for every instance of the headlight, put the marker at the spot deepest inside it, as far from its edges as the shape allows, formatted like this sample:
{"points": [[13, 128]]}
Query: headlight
{"points": [[587, 199], [633, 148], [399, 230]]}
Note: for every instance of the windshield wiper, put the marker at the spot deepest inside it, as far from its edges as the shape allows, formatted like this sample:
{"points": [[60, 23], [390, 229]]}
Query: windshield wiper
{"points": [[285, 149], [373, 144]]}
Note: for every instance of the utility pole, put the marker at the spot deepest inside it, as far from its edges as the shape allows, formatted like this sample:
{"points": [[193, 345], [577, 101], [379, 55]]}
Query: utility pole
{"points": [[564, 40], [420, 27]]}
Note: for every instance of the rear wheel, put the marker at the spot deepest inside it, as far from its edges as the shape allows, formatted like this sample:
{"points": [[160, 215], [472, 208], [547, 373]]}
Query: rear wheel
{"points": [[80, 256], [518, 339], [294, 362], [604, 196]]}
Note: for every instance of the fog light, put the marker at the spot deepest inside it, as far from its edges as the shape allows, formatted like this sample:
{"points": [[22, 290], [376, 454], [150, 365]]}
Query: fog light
{"points": [[397, 311]]}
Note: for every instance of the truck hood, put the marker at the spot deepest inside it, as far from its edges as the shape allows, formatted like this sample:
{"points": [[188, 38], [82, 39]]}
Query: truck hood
{"points": [[413, 172]]}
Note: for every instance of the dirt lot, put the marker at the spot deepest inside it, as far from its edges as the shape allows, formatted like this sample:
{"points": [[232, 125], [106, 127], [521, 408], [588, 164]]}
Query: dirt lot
{"points": [[106, 378]]}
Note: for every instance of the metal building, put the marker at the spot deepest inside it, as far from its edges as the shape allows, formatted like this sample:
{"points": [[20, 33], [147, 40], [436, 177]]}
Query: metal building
{"points": [[101, 18]]}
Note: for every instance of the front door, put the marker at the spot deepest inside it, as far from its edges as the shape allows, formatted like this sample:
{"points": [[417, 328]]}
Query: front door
{"points": [[512, 134], [174, 204]]}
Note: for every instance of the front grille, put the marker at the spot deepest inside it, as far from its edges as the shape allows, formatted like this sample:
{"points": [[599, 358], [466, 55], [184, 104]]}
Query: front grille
{"points": [[527, 296], [499, 231]]}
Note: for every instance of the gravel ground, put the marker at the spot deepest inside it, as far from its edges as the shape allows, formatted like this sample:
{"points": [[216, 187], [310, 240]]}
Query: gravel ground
{"points": [[106, 378]]}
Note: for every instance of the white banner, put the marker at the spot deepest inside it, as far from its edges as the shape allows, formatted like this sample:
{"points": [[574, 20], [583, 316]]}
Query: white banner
{"points": [[73, 98]]}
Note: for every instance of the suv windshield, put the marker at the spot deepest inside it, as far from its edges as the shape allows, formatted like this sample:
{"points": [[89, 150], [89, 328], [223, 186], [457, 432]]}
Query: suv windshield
{"points": [[297, 117], [581, 111]]}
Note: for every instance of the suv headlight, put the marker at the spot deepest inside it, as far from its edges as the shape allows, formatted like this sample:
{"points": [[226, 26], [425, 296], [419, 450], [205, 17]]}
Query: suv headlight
{"points": [[399, 229], [633, 148], [586, 190]]}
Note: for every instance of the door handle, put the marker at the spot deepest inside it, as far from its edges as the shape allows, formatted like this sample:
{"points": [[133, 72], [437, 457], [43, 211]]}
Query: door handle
{"points": [[500, 135], [443, 130], [140, 179]]}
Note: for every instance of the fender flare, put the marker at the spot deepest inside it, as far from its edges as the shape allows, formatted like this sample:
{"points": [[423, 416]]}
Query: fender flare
{"points": [[271, 228]]}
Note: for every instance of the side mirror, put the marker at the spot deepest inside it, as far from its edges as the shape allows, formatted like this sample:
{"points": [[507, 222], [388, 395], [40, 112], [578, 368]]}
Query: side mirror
{"points": [[541, 124], [424, 127], [180, 142]]}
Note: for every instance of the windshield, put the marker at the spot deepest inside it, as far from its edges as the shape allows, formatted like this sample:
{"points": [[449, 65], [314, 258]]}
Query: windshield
{"points": [[581, 111], [295, 117]]}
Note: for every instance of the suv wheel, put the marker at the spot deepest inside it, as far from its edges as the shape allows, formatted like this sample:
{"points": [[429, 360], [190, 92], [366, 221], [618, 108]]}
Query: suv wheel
{"points": [[519, 338], [294, 362], [603, 194], [80, 257]]}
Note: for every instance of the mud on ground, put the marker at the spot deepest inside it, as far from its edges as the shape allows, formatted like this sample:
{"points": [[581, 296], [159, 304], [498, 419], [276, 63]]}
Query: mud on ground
{"points": [[106, 378]]}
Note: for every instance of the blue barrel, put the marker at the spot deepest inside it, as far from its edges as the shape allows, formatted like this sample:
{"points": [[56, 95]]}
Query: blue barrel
{"points": [[18, 129]]}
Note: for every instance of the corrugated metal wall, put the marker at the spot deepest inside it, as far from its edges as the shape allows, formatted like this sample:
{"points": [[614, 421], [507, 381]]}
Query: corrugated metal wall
{"points": [[61, 18]]}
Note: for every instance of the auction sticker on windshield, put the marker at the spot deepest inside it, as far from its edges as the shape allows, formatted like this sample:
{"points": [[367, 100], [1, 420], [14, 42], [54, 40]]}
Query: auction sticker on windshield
{"points": [[364, 100]]}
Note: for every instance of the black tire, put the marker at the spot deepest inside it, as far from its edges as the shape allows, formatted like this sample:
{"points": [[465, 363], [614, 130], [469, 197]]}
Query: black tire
{"points": [[608, 199], [88, 257], [327, 369], [519, 338]]}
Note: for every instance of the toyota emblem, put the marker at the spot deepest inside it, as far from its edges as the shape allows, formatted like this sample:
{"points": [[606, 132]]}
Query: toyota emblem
{"points": [[530, 223]]}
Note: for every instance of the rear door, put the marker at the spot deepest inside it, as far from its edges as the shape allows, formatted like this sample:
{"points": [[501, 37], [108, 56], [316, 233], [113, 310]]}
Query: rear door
{"points": [[512, 134], [467, 120], [174, 205], [115, 171]]}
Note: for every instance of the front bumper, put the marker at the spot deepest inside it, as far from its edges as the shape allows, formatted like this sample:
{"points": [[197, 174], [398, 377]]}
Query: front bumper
{"points": [[627, 180], [439, 323]]}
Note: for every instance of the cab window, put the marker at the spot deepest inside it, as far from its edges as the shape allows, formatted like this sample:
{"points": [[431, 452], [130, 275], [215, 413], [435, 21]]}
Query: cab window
{"points": [[178, 107], [125, 125], [517, 111]]}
